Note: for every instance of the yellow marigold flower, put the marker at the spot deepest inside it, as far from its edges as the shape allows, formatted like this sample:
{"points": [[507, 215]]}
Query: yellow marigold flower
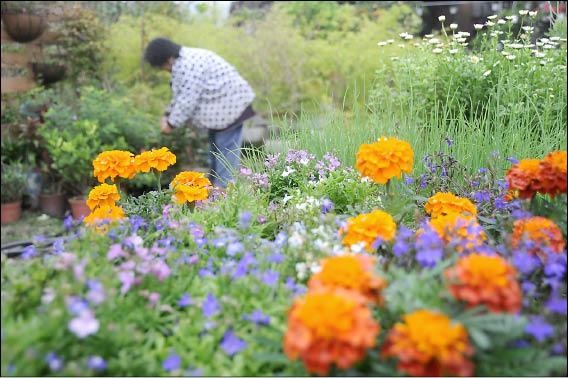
{"points": [[191, 178], [485, 280], [351, 272], [330, 327], [103, 195], [367, 228], [448, 203], [543, 232], [462, 230], [384, 159], [427, 343], [159, 160], [100, 214], [112, 164]]}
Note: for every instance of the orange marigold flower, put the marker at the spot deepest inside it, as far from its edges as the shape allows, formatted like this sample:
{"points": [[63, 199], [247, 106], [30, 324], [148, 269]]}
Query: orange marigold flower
{"points": [[103, 195], [351, 272], [190, 187], [462, 230], [543, 232], [485, 280], [367, 228], [552, 174], [448, 203], [384, 159], [330, 326], [159, 160], [523, 178], [112, 164], [427, 343], [100, 214]]}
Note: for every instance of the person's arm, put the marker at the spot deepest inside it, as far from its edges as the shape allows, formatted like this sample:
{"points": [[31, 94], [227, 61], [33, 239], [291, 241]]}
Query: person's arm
{"points": [[187, 89]]}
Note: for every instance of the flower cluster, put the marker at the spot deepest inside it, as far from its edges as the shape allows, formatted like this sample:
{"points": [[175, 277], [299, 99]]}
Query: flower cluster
{"points": [[190, 187], [427, 343], [102, 202], [369, 229], [159, 160], [330, 326], [546, 176], [113, 164], [480, 279], [449, 203], [351, 272], [463, 231], [542, 233], [384, 159]]}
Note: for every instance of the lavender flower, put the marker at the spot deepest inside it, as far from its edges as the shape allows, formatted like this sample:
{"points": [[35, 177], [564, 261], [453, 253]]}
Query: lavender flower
{"points": [[235, 248], [160, 270], [231, 344], [244, 220], [84, 325], [185, 300], [68, 222], [270, 278], [525, 262], [76, 305], [556, 305], [408, 180], [136, 222], [96, 363], [172, 362], [326, 206], [210, 306], [96, 294], [260, 180], [429, 247], [54, 362], [539, 329], [115, 251], [58, 246], [29, 252], [257, 317], [271, 160]]}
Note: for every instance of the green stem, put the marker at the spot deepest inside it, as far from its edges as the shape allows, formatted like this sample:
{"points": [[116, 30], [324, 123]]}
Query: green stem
{"points": [[159, 181]]}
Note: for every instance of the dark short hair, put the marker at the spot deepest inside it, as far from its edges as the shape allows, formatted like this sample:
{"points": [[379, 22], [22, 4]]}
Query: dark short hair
{"points": [[159, 50]]}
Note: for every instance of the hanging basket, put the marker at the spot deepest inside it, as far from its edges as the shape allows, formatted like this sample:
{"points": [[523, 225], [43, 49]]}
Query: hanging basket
{"points": [[23, 26], [48, 73]]}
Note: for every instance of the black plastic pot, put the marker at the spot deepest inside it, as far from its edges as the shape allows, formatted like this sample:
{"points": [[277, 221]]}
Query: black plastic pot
{"points": [[48, 73], [23, 26]]}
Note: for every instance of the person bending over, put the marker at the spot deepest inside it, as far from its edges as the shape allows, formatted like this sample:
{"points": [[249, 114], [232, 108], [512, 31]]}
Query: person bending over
{"points": [[209, 93]]}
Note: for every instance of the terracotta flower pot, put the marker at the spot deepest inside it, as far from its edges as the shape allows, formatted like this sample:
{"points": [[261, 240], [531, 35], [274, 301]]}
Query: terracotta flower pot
{"points": [[79, 207], [52, 204], [11, 212], [23, 27]]}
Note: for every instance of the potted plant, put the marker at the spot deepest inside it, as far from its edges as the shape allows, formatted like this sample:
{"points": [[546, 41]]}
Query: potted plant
{"points": [[72, 150], [49, 67], [13, 188], [52, 199], [22, 21]]}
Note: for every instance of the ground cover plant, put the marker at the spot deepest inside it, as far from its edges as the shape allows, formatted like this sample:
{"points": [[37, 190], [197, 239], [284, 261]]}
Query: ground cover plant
{"points": [[388, 241]]}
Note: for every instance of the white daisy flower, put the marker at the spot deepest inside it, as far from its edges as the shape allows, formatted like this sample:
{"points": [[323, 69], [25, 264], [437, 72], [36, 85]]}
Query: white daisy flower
{"points": [[486, 73], [523, 12], [478, 26], [437, 50], [442, 18], [453, 26], [492, 17]]}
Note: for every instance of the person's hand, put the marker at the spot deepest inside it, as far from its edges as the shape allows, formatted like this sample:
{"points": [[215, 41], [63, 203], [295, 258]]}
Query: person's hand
{"points": [[164, 127]]}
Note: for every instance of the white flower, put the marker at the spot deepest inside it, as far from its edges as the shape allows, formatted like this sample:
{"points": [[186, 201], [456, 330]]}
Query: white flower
{"points": [[510, 57], [301, 270], [461, 40], [288, 172], [545, 40], [401, 45], [48, 296], [496, 63], [489, 23], [390, 41], [365, 179], [302, 206], [540, 44], [454, 51], [286, 198], [528, 29], [434, 41], [501, 21], [474, 59], [394, 58], [509, 18], [315, 268], [428, 36], [555, 38], [296, 240], [523, 12], [538, 54], [551, 96], [542, 62], [358, 247], [492, 17], [516, 45], [547, 46], [478, 26], [486, 73], [437, 50], [533, 13], [84, 325], [382, 43], [529, 46], [442, 18], [464, 44], [453, 26]]}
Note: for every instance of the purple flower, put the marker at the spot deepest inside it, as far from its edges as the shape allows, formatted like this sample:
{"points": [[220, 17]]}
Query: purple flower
{"points": [[557, 349], [326, 206], [136, 222], [482, 196], [525, 262], [512, 160], [153, 298], [235, 248], [55, 362], [185, 300], [244, 220], [271, 160], [194, 373], [96, 294], [115, 251], [58, 246], [210, 306], [260, 180], [429, 247], [84, 325], [483, 170], [293, 287], [270, 277], [96, 363], [261, 219], [160, 270], [539, 329], [231, 344], [556, 304], [408, 180], [172, 362], [133, 241], [555, 265], [499, 203], [258, 318], [76, 305], [280, 239], [128, 279], [205, 272], [528, 287], [276, 258], [449, 141], [29, 252], [245, 171], [68, 222]]}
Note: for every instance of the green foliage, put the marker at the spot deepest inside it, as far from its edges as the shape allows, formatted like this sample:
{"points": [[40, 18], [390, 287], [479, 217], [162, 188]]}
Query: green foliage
{"points": [[148, 205], [13, 182]]}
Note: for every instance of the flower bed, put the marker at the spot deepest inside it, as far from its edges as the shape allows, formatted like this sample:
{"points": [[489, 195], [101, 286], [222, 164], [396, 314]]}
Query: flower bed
{"points": [[300, 266]]}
